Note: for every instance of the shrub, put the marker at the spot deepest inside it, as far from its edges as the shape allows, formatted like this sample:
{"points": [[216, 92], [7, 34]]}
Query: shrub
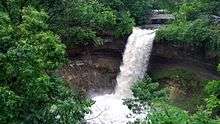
{"points": [[124, 24], [84, 22], [203, 117], [147, 90], [193, 26], [167, 114], [9, 106], [162, 112], [139, 9], [192, 10], [213, 100], [213, 88], [198, 34]]}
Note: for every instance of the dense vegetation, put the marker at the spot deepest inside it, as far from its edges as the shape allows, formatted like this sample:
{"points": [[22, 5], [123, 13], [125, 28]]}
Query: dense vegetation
{"points": [[163, 111], [194, 25], [34, 35], [30, 92]]}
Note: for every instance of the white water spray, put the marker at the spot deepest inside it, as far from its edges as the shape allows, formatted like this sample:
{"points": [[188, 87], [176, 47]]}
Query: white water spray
{"points": [[109, 109]]}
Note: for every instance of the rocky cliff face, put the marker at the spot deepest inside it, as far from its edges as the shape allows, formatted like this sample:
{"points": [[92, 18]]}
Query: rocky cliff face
{"points": [[94, 69], [187, 53]]}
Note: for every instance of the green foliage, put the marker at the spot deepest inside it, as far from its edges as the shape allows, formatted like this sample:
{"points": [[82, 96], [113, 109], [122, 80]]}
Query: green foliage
{"points": [[171, 5], [213, 100], [6, 32], [203, 117], [29, 91], [9, 104], [181, 78], [139, 9], [84, 22], [51, 102], [192, 10], [163, 112], [125, 24], [198, 34], [147, 90], [167, 114], [79, 36], [193, 26], [213, 88], [218, 68]]}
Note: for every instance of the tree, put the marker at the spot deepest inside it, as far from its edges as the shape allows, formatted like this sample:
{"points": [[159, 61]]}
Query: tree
{"points": [[83, 22], [29, 55], [140, 10], [193, 26]]}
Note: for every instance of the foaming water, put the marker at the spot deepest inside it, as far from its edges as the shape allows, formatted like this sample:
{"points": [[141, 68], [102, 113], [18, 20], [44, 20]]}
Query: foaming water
{"points": [[135, 60], [109, 108]]}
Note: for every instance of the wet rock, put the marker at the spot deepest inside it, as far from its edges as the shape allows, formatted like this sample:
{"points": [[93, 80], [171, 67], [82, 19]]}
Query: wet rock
{"points": [[92, 73]]}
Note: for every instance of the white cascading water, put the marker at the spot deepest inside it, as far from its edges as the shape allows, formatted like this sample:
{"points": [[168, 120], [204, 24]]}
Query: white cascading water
{"points": [[109, 108]]}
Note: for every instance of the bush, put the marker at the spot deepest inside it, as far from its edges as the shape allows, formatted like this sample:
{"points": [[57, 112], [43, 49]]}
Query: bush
{"points": [[203, 117], [167, 114], [9, 106], [213, 88], [84, 22], [213, 100], [193, 26], [140, 10], [198, 34], [79, 36], [162, 112], [193, 10], [124, 24], [147, 90]]}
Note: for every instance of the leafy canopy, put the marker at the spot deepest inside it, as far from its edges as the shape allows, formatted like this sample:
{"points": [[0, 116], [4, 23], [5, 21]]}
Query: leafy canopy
{"points": [[29, 54], [193, 26]]}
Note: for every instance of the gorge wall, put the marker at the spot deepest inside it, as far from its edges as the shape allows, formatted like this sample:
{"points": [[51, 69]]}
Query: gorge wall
{"points": [[94, 69]]}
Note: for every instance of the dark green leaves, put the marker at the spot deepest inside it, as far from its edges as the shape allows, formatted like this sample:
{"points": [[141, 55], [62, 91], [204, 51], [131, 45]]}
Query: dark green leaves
{"points": [[29, 57], [9, 106], [149, 91]]}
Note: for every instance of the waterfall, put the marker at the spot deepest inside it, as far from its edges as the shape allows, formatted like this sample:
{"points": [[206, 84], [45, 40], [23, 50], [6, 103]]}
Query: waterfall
{"points": [[135, 60], [109, 108]]}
